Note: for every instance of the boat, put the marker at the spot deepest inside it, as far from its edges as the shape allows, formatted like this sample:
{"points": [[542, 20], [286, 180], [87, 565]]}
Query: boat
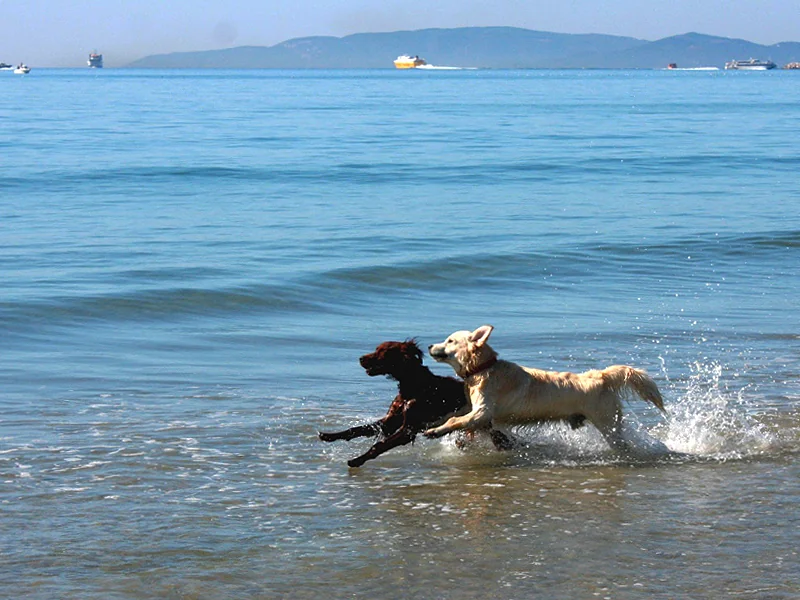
{"points": [[6, 67], [404, 61], [750, 65], [95, 60], [22, 68]]}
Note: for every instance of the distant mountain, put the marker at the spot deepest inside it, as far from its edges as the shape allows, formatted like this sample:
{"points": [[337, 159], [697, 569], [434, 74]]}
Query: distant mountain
{"points": [[699, 50], [483, 47]]}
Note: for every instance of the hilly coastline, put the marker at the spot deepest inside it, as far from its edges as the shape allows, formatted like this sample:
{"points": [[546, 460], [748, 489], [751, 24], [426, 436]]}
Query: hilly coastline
{"points": [[481, 47]]}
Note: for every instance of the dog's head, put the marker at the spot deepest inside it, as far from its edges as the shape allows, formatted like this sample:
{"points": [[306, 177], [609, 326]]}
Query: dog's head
{"points": [[392, 359], [464, 350]]}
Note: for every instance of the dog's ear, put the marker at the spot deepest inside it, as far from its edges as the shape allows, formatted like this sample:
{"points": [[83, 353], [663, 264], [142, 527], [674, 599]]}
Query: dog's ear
{"points": [[412, 350], [481, 335]]}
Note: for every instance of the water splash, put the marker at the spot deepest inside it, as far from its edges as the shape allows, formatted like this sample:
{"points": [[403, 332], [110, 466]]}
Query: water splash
{"points": [[710, 420]]}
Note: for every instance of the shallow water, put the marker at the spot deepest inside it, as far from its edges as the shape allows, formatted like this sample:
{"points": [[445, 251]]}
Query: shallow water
{"points": [[193, 261]]}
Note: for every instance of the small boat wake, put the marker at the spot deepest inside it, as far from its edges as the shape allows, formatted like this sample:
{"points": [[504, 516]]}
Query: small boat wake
{"points": [[692, 69], [675, 67], [438, 68]]}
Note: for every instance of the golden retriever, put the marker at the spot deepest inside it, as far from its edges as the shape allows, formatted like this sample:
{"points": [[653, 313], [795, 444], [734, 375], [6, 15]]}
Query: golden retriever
{"points": [[504, 393]]}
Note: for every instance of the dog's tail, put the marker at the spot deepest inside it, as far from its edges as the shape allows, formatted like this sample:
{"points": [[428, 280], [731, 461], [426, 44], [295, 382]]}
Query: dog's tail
{"points": [[623, 377]]}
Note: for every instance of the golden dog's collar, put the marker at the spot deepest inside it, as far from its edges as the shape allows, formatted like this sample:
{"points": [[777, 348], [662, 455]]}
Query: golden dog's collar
{"points": [[481, 367]]}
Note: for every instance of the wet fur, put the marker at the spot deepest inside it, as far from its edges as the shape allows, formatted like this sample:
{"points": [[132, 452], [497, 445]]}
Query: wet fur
{"points": [[505, 393], [424, 400]]}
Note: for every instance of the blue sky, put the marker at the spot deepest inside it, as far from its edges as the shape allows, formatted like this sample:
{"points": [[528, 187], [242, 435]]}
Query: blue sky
{"points": [[62, 32]]}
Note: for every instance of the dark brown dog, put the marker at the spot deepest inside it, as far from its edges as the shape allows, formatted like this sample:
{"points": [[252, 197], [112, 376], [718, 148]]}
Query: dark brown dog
{"points": [[423, 401]]}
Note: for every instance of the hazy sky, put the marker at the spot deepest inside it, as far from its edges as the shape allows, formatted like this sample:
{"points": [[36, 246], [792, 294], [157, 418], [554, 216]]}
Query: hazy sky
{"points": [[62, 32]]}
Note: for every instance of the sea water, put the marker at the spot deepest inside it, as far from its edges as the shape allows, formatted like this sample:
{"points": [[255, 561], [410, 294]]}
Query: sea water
{"points": [[193, 261]]}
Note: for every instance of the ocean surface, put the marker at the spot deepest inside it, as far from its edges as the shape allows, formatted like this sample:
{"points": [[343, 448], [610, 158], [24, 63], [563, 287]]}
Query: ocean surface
{"points": [[193, 261]]}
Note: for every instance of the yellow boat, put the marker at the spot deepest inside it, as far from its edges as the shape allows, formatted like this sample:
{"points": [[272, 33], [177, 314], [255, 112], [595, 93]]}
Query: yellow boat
{"points": [[408, 62]]}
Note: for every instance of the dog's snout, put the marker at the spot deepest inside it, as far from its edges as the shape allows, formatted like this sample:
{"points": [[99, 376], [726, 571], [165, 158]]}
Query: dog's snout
{"points": [[429, 347]]}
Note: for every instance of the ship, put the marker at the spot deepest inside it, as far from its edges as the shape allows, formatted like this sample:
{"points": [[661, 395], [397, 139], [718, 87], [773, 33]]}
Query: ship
{"points": [[750, 65], [6, 67], [95, 60], [405, 61]]}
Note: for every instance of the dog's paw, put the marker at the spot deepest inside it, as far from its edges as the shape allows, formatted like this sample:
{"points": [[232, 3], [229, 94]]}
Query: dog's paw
{"points": [[327, 437], [356, 462], [433, 433]]}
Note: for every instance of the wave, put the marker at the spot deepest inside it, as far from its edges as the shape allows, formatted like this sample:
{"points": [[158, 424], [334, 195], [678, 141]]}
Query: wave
{"points": [[162, 304], [120, 180], [715, 250], [700, 164], [401, 169], [156, 294], [661, 258]]}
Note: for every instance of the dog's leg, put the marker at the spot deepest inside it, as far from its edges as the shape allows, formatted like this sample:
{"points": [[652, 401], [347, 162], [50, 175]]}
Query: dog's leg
{"points": [[400, 438], [502, 441], [609, 421], [478, 418], [576, 421], [388, 425], [370, 430]]}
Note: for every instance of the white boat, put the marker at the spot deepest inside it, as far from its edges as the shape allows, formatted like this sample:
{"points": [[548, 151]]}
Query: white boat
{"points": [[22, 69], [6, 67], [750, 65]]}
